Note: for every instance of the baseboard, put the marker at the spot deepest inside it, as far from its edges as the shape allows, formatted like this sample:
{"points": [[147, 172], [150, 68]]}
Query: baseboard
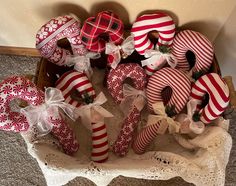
{"points": [[21, 51]]}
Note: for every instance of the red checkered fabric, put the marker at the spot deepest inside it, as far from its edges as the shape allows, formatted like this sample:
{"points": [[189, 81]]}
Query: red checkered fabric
{"points": [[105, 23]]}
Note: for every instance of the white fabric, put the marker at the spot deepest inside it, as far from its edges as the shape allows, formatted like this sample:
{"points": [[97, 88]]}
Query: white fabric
{"points": [[85, 111], [155, 56], [166, 158], [82, 63], [37, 116], [127, 47], [132, 97]]}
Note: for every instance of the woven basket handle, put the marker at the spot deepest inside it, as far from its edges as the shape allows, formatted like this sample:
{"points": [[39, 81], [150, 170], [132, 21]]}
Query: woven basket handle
{"points": [[232, 92]]}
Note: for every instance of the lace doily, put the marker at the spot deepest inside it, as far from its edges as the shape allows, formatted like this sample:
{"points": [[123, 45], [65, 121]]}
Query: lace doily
{"points": [[201, 160]]}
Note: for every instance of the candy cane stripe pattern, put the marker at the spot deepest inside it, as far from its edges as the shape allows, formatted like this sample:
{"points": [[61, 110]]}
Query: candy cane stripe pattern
{"points": [[176, 80], [105, 23], [19, 87], [99, 142], [152, 22], [54, 30], [115, 81], [145, 137], [213, 85], [189, 40], [74, 80]]}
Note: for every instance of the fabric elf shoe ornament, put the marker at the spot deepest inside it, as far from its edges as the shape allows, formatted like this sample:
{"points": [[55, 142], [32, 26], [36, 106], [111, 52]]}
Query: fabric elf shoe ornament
{"points": [[159, 54], [41, 116]]}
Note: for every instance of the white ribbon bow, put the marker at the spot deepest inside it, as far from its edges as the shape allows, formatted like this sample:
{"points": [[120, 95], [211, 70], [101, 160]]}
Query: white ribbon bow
{"points": [[82, 63], [132, 96], [195, 126], [156, 59], [127, 48], [86, 111], [167, 122], [38, 115]]}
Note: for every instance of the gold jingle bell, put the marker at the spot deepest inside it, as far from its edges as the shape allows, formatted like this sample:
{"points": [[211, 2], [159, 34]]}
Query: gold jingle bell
{"points": [[123, 54]]}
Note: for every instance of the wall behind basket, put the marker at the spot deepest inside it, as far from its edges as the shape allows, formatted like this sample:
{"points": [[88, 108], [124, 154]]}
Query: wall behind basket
{"points": [[20, 20]]}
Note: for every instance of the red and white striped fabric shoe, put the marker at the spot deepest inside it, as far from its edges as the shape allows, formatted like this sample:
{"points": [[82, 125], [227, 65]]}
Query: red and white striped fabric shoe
{"points": [[197, 43], [218, 91], [160, 22], [171, 78], [74, 80]]}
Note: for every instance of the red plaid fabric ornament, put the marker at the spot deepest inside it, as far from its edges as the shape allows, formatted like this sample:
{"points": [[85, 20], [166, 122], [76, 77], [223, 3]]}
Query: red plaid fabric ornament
{"points": [[94, 27]]}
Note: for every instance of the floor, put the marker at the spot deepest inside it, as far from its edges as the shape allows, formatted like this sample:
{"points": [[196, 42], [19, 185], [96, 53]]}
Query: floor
{"points": [[17, 167]]}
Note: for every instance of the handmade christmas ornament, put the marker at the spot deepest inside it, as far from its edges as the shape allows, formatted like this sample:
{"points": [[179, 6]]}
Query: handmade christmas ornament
{"points": [[73, 81], [188, 40], [117, 52], [132, 100], [218, 91], [53, 31], [42, 113], [94, 29], [177, 81], [156, 124], [92, 116], [157, 56]]}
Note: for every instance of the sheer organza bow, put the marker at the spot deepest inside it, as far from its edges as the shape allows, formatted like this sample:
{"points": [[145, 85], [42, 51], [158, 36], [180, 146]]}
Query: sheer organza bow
{"points": [[82, 63], [160, 115], [39, 115], [127, 47], [86, 111], [132, 97], [157, 59]]}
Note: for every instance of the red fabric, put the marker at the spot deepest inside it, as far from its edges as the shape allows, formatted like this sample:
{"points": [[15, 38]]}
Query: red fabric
{"points": [[202, 48], [74, 80], [176, 80], [54, 30], [19, 87], [100, 145], [213, 85], [146, 23], [105, 23]]}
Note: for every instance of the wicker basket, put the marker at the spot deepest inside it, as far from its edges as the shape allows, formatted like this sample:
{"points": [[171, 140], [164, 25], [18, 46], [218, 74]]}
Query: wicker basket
{"points": [[59, 168]]}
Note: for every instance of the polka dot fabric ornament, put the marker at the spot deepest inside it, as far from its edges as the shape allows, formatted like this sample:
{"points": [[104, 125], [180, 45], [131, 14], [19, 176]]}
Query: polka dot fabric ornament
{"points": [[53, 31], [213, 85], [197, 43]]}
